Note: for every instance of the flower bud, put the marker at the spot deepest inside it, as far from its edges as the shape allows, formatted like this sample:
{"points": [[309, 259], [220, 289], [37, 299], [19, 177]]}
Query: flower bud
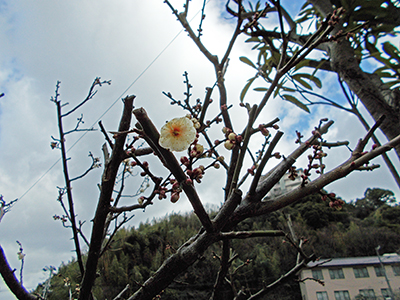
{"points": [[229, 145], [174, 197], [199, 148], [176, 186], [264, 131], [140, 200], [184, 160], [193, 153], [232, 136]]}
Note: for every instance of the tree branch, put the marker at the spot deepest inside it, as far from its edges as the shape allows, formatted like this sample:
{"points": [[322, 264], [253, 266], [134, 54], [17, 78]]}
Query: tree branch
{"points": [[251, 234], [11, 280], [169, 160], [103, 207]]}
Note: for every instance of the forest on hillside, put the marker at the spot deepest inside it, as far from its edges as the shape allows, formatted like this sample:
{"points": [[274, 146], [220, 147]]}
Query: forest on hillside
{"points": [[136, 253]]}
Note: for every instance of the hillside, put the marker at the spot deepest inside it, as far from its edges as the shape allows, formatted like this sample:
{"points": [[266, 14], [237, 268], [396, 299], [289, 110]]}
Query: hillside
{"points": [[136, 253]]}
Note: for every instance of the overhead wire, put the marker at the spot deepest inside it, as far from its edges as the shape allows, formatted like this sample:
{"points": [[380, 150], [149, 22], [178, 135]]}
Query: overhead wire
{"points": [[111, 106]]}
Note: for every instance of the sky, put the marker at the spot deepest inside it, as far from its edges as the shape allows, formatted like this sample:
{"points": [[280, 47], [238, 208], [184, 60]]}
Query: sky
{"points": [[141, 47]]}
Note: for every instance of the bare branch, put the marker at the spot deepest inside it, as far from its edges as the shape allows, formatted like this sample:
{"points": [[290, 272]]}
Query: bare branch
{"points": [[68, 187], [103, 130], [91, 94], [95, 164], [251, 234], [283, 278], [103, 207], [119, 296], [12, 282], [264, 161]]}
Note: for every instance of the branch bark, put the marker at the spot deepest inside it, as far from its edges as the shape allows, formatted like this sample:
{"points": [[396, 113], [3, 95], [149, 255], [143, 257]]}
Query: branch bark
{"points": [[103, 207], [11, 280], [68, 187]]}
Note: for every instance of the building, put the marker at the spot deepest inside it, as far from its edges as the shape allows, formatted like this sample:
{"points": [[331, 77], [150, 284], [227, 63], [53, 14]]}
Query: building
{"points": [[286, 184], [351, 278]]}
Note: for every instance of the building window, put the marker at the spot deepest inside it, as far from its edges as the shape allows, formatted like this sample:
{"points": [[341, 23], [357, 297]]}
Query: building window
{"points": [[322, 296], [386, 294], [396, 270], [317, 274], [368, 294], [336, 273], [360, 272], [379, 271], [342, 295]]}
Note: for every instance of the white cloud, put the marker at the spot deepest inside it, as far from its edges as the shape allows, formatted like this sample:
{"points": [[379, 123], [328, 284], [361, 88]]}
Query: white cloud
{"points": [[45, 41]]}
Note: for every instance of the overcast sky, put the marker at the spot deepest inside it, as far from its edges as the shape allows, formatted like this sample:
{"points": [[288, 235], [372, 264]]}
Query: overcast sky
{"points": [[76, 41]]}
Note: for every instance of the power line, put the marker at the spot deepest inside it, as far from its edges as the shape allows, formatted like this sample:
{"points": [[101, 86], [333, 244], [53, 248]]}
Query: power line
{"points": [[109, 108], [103, 114]]}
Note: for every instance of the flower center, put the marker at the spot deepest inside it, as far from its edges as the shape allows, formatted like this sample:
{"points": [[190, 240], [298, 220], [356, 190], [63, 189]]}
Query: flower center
{"points": [[176, 131]]}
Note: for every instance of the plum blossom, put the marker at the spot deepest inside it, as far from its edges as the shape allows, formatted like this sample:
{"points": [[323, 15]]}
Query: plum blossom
{"points": [[177, 134]]}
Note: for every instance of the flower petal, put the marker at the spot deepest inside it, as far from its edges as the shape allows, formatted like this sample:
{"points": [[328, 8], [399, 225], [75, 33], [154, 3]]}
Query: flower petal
{"points": [[177, 134]]}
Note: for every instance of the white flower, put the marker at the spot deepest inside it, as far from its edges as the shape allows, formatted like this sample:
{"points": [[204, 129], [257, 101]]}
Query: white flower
{"points": [[177, 134]]}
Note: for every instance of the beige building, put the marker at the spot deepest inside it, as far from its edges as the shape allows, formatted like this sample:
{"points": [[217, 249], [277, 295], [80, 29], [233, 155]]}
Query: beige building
{"points": [[285, 185], [352, 278]]}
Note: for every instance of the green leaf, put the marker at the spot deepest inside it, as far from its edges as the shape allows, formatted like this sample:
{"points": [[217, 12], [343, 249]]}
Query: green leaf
{"points": [[303, 63], [314, 79], [260, 89], [253, 39], [392, 84], [383, 74], [276, 57], [371, 48], [391, 50], [246, 88], [247, 61], [374, 52], [278, 87], [296, 102], [322, 61], [301, 81]]}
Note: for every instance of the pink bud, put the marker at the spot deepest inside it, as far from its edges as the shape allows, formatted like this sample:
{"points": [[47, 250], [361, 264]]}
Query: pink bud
{"points": [[174, 197]]}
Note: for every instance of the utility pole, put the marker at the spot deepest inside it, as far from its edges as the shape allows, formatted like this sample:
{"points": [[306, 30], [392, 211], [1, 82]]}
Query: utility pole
{"points": [[384, 273]]}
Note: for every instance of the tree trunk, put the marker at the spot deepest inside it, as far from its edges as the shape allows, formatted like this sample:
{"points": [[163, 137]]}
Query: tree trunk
{"points": [[377, 98]]}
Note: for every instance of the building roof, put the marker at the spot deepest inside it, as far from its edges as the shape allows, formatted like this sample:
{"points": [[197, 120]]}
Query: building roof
{"points": [[392, 258]]}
